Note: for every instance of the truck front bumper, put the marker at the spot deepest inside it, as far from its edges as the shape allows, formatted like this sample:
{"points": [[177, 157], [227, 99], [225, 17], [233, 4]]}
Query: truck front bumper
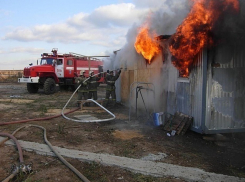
{"points": [[28, 80]]}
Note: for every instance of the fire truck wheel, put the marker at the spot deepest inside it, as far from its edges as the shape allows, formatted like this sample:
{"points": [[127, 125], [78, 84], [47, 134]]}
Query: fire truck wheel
{"points": [[32, 87], [49, 86]]}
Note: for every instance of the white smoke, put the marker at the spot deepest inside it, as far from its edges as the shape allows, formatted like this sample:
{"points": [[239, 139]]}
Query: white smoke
{"points": [[163, 17], [164, 20]]}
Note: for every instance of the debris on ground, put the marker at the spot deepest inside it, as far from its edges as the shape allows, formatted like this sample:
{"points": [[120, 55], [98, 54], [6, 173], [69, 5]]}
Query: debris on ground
{"points": [[178, 124]]}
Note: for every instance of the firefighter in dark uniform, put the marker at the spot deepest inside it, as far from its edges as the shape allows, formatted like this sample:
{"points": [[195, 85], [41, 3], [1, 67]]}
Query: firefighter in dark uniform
{"points": [[83, 90], [110, 88], [92, 85]]}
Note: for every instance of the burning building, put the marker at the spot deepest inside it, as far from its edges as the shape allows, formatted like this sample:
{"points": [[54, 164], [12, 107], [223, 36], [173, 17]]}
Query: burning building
{"points": [[198, 70]]}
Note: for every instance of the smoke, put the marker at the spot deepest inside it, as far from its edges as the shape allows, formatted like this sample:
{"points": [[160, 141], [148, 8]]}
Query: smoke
{"points": [[169, 16], [163, 20], [231, 28]]}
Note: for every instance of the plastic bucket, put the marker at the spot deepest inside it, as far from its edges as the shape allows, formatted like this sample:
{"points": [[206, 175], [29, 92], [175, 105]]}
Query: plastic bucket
{"points": [[157, 117]]}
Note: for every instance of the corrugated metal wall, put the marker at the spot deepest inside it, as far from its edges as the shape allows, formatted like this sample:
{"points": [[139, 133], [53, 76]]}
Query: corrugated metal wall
{"points": [[187, 97], [226, 90], [213, 94], [198, 90]]}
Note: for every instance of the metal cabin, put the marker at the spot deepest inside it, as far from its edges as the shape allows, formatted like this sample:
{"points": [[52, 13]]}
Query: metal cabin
{"points": [[213, 94]]}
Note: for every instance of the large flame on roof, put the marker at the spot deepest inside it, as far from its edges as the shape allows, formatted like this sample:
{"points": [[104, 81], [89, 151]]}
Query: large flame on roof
{"points": [[194, 32], [146, 44]]}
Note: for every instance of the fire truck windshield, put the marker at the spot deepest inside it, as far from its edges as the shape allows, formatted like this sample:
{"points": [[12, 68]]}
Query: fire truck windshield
{"points": [[46, 61]]}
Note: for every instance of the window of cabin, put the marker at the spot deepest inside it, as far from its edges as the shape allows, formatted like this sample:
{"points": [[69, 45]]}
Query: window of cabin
{"points": [[59, 61], [69, 62]]}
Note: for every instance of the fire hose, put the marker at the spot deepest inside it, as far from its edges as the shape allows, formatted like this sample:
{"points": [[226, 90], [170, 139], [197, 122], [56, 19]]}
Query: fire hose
{"points": [[81, 176], [36, 119], [27, 168], [96, 120], [22, 167]]}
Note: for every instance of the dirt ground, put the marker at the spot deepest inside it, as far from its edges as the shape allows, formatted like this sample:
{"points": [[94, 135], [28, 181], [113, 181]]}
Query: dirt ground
{"points": [[223, 154]]}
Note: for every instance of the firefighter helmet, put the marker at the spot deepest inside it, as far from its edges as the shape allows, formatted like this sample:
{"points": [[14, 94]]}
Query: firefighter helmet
{"points": [[82, 72]]}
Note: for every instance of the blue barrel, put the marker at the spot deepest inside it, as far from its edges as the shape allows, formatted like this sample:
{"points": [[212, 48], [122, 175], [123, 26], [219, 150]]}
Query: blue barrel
{"points": [[157, 119]]}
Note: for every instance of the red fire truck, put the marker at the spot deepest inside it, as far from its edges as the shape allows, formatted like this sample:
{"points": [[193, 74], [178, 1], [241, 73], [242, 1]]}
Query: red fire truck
{"points": [[58, 69]]}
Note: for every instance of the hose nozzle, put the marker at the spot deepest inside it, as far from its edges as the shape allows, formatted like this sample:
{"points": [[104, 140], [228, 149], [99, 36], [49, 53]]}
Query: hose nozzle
{"points": [[26, 169]]}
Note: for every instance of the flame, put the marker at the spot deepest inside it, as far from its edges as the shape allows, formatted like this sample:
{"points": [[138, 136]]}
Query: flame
{"points": [[146, 44], [194, 32]]}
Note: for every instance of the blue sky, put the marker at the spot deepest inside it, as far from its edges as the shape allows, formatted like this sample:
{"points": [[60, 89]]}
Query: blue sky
{"points": [[30, 27]]}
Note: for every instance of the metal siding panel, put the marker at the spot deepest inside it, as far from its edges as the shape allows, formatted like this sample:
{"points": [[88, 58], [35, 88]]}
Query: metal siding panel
{"points": [[183, 98], [227, 88], [171, 103], [196, 85], [187, 96], [172, 73]]}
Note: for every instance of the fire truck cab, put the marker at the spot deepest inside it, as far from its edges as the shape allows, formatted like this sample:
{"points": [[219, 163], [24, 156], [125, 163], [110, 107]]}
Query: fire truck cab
{"points": [[58, 69]]}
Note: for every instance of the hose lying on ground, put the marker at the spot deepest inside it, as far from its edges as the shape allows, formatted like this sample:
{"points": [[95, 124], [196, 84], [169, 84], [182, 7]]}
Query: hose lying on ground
{"points": [[81, 176], [11, 176], [17, 144], [45, 138], [37, 119], [86, 121], [21, 167], [2, 142]]}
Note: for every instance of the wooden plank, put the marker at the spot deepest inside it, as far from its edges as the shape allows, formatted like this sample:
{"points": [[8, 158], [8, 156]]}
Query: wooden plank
{"points": [[173, 123], [187, 125], [178, 121], [168, 125], [182, 125]]}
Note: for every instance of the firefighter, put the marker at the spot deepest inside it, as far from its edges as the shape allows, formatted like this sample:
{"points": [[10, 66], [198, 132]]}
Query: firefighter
{"points": [[110, 88], [92, 85], [83, 90]]}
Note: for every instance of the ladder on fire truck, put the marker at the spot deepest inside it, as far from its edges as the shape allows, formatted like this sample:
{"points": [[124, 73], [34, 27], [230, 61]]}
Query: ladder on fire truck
{"points": [[92, 58]]}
